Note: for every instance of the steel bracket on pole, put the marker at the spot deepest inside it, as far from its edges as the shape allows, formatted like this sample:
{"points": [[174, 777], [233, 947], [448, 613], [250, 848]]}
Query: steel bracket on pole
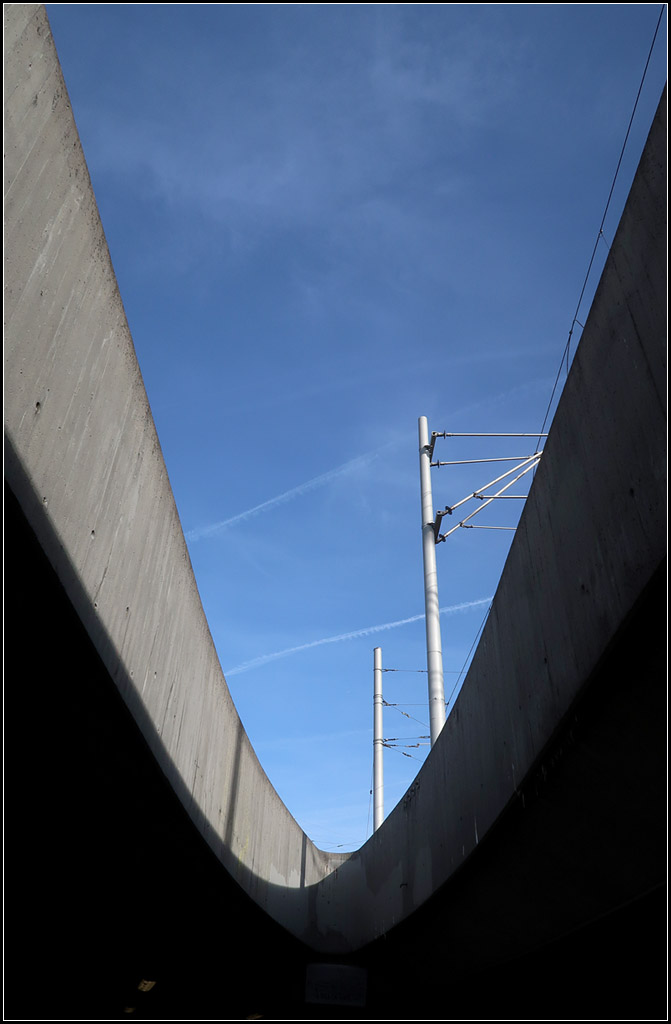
{"points": [[447, 511]]}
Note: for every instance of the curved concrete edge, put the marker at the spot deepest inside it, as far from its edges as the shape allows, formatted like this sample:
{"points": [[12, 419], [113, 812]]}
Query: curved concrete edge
{"points": [[78, 419], [89, 472], [591, 537]]}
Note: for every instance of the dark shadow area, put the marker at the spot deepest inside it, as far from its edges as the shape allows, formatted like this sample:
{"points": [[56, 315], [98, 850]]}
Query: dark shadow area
{"points": [[109, 882], [22, 501], [115, 903], [592, 813]]}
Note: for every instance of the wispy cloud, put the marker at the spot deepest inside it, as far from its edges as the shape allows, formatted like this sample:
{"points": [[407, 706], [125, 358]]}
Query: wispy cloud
{"points": [[210, 530], [354, 635], [337, 110]]}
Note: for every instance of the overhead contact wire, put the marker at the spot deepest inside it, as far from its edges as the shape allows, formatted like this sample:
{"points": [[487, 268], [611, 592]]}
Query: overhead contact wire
{"points": [[567, 347]]}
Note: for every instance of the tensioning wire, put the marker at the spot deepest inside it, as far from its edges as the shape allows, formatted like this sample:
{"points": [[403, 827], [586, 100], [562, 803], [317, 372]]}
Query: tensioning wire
{"points": [[405, 713], [600, 234], [469, 654]]}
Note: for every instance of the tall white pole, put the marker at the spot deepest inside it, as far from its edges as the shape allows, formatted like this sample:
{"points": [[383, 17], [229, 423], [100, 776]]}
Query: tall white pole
{"points": [[434, 649], [378, 783]]}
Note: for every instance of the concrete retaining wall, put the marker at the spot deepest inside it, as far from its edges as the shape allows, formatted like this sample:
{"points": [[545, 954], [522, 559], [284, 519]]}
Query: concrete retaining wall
{"points": [[78, 419], [84, 460]]}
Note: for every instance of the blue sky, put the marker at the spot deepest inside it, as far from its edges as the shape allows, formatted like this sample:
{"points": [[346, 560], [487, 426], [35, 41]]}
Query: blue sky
{"points": [[326, 221]]}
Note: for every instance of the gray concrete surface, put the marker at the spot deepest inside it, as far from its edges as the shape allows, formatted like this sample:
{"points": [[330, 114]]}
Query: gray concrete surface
{"points": [[83, 458]]}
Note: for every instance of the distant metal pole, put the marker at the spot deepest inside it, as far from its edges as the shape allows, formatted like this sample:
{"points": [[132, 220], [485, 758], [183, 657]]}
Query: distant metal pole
{"points": [[434, 649], [378, 782]]}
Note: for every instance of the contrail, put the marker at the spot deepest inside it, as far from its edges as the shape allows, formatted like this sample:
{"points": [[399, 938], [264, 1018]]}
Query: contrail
{"points": [[367, 631], [310, 485]]}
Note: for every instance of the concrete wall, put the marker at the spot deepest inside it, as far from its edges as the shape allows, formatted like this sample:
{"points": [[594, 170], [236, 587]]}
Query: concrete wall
{"points": [[89, 462], [84, 460]]}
